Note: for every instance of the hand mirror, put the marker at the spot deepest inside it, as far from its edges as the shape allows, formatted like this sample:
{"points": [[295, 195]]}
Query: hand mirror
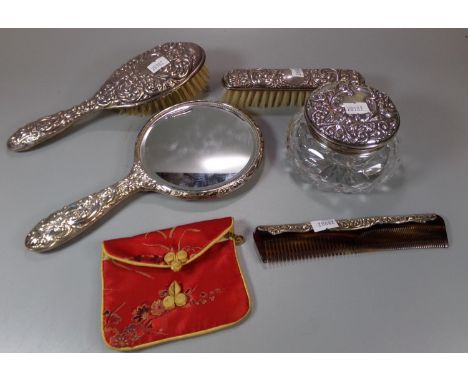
{"points": [[193, 150]]}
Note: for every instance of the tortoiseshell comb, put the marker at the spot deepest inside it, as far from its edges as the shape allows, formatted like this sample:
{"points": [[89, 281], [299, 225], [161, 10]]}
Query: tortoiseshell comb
{"points": [[349, 236]]}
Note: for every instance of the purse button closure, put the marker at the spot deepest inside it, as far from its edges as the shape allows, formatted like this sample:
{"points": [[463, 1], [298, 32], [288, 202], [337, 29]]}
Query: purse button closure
{"points": [[182, 256], [169, 257], [176, 260], [176, 266]]}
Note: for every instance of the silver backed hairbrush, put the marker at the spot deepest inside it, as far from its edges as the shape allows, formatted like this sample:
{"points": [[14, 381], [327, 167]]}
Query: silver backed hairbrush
{"points": [[280, 87], [349, 236], [158, 78]]}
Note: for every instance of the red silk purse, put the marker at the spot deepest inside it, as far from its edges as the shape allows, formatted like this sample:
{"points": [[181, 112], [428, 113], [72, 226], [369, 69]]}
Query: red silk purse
{"points": [[171, 284]]}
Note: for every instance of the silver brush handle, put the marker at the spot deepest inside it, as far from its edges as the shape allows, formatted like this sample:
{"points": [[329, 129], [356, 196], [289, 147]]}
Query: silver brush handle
{"points": [[75, 218], [43, 129], [288, 79]]}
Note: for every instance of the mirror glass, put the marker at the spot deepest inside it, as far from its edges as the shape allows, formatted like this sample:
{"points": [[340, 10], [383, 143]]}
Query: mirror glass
{"points": [[198, 147]]}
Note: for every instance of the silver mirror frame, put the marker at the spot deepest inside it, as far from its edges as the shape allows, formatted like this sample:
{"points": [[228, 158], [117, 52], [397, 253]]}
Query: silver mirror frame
{"points": [[164, 187]]}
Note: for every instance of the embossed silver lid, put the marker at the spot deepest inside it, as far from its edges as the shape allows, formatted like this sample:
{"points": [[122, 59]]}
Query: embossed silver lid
{"points": [[351, 118]]}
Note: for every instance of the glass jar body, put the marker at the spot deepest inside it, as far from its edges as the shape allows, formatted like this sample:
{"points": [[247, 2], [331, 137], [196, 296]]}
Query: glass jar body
{"points": [[330, 170]]}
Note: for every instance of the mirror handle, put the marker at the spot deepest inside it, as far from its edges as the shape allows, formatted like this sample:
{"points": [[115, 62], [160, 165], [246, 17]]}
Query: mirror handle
{"points": [[75, 218]]}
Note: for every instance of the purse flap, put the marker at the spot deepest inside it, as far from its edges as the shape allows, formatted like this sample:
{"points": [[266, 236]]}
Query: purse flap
{"points": [[171, 247]]}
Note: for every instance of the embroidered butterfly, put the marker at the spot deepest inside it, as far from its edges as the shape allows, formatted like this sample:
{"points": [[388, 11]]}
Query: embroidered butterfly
{"points": [[176, 255]]}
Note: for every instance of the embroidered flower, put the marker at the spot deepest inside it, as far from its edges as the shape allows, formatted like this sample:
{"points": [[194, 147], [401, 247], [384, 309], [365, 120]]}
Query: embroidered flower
{"points": [[157, 308], [205, 297], [127, 337], [145, 319], [111, 318], [141, 313], [119, 340]]}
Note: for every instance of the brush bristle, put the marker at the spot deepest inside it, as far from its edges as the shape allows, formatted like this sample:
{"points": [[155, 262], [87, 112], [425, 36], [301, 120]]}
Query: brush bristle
{"points": [[188, 91], [265, 98]]}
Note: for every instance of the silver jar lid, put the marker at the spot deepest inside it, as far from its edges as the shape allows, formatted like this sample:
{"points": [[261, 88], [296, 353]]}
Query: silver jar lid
{"points": [[351, 118]]}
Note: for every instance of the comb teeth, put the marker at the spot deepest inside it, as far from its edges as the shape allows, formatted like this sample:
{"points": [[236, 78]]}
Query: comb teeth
{"points": [[284, 249], [299, 248], [300, 245], [188, 91], [265, 98], [411, 236]]}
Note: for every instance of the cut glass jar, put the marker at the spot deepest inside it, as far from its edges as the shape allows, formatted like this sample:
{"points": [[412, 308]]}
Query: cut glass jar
{"points": [[345, 138]]}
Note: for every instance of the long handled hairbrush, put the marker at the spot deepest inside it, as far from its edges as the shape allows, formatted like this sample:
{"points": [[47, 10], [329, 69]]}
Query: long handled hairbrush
{"points": [[349, 236], [280, 87], [158, 78]]}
